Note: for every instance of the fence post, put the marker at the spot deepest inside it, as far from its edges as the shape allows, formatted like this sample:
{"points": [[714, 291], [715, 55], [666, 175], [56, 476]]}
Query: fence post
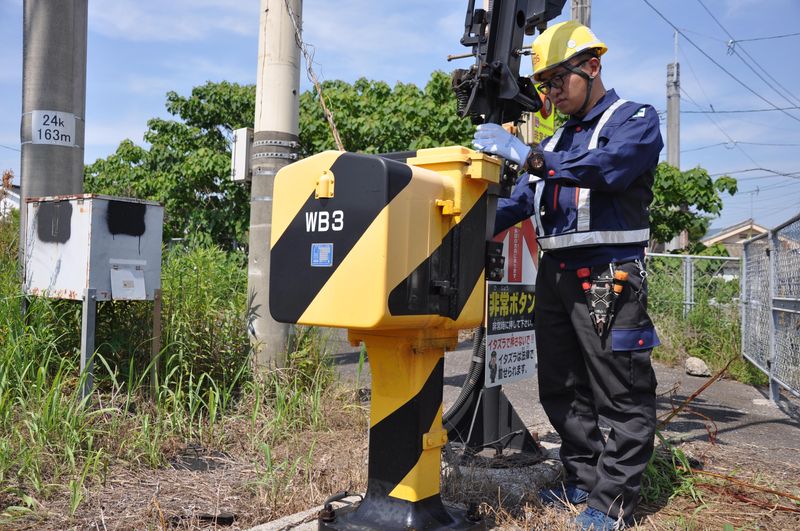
{"points": [[774, 386], [744, 299], [688, 285]]}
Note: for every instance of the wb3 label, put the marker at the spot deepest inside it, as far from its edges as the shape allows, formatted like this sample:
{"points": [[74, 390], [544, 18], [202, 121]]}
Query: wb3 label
{"points": [[324, 221]]}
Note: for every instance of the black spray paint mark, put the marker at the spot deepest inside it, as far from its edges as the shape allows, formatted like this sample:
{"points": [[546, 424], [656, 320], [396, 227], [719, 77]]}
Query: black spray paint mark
{"points": [[125, 218], [53, 221]]}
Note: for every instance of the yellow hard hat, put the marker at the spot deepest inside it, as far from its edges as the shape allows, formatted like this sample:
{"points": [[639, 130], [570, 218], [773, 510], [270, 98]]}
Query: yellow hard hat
{"points": [[561, 41]]}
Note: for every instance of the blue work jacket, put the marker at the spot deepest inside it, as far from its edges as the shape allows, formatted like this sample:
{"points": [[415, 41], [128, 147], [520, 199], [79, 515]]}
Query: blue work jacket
{"points": [[592, 205]]}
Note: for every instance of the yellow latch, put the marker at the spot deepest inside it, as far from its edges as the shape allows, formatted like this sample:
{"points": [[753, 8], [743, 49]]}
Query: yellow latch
{"points": [[434, 439], [448, 207], [325, 183]]}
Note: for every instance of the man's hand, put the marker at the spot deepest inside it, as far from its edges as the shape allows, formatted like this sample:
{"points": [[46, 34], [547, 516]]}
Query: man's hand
{"points": [[492, 138]]}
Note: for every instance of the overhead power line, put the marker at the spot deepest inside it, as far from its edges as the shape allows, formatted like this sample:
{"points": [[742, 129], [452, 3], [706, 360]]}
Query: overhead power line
{"points": [[739, 81], [731, 145], [9, 147], [732, 49], [747, 170], [740, 111], [722, 130], [768, 38]]}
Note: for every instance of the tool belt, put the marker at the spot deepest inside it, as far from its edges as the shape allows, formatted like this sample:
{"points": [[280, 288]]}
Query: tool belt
{"points": [[602, 286]]}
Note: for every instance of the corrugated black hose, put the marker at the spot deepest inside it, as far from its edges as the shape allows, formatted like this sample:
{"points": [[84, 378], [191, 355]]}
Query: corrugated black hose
{"points": [[474, 376]]}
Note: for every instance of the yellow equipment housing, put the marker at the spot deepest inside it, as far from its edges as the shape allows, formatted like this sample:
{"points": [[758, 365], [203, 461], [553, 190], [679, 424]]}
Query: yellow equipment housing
{"points": [[368, 243]]}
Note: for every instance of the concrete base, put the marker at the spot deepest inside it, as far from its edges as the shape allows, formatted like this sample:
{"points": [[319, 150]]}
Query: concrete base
{"points": [[302, 521]]}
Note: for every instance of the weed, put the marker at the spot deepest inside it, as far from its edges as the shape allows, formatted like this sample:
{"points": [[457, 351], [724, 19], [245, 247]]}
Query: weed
{"points": [[53, 445]]}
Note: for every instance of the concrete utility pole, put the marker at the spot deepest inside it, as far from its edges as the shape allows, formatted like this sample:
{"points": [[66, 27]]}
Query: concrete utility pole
{"points": [[674, 132], [582, 12], [275, 145], [53, 99], [674, 111]]}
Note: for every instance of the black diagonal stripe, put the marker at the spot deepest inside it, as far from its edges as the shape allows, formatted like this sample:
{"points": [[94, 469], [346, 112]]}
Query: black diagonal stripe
{"points": [[459, 260], [395, 443], [364, 185]]}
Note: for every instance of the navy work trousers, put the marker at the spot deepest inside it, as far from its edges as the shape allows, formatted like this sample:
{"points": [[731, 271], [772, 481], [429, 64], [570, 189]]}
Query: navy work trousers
{"points": [[584, 378]]}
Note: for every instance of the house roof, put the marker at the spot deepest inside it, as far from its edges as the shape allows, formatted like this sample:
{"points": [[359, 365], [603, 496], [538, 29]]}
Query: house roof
{"points": [[717, 235]]}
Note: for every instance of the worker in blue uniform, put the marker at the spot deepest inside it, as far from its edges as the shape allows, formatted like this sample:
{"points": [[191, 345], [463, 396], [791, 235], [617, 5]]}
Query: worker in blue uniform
{"points": [[588, 189]]}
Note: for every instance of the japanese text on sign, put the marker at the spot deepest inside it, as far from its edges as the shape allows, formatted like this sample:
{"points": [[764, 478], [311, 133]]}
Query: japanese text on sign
{"points": [[510, 345]]}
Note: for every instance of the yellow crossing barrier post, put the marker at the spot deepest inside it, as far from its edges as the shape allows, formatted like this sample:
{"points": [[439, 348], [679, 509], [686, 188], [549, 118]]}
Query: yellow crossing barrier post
{"points": [[396, 253]]}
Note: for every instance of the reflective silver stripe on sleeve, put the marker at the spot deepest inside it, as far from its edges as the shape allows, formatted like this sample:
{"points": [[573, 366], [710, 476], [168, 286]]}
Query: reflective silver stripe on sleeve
{"points": [[537, 206], [597, 237], [603, 119], [584, 209]]}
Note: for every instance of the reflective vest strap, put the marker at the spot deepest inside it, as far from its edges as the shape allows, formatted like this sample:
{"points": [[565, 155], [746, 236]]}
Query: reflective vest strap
{"points": [[602, 122], [596, 237], [553, 142]]}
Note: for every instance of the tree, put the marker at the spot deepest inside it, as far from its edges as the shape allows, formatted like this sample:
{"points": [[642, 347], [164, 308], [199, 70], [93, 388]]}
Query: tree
{"points": [[186, 164], [685, 200], [373, 117]]}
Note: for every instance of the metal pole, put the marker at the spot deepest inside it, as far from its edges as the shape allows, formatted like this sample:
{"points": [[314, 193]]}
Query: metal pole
{"points": [[774, 386], [275, 145], [582, 11], [53, 100], [155, 349], [687, 280], [744, 300], [88, 320]]}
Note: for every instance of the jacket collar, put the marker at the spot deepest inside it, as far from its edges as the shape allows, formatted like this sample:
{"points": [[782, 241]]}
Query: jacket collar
{"points": [[599, 108]]}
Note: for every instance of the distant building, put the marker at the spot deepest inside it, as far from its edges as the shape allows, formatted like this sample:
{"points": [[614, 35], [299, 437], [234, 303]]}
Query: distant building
{"points": [[734, 236], [9, 200]]}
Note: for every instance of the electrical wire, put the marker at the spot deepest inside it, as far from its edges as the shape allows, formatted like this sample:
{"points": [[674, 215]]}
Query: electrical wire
{"points": [[739, 81], [746, 170], [732, 49], [738, 111], [725, 133], [769, 38], [729, 146], [9, 147]]}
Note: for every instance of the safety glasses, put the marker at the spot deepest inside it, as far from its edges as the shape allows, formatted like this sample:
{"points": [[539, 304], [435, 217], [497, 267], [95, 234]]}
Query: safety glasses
{"points": [[557, 82]]}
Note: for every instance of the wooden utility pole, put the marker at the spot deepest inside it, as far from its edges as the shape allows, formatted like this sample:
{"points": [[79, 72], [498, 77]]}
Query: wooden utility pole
{"points": [[275, 145], [582, 11]]}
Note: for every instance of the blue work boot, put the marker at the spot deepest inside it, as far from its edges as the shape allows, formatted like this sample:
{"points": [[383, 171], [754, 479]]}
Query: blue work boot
{"points": [[595, 520], [559, 496]]}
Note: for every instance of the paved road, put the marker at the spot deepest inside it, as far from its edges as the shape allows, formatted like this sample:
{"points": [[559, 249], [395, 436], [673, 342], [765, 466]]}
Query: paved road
{"points": [[741, 414]]}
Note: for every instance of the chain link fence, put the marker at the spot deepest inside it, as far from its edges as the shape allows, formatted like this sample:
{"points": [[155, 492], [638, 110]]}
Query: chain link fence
{"points": [[694, 303], [771, 305]]}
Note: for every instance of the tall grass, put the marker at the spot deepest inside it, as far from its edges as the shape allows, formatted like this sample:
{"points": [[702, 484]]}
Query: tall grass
{"points": [[711, 329], [54, 444]]}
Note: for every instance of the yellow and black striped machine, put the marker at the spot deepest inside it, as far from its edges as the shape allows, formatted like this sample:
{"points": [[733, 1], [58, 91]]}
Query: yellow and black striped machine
{"points": [[396, 253]]}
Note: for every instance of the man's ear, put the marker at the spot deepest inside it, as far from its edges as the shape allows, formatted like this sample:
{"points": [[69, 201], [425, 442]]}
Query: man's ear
{"points": [[594, 66]]}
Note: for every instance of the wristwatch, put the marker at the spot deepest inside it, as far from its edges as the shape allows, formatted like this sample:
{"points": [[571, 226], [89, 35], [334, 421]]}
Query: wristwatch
{"points": [[535, 162]]}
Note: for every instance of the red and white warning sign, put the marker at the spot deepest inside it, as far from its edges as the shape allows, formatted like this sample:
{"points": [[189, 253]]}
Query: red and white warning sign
{"points": [[510, 341]]}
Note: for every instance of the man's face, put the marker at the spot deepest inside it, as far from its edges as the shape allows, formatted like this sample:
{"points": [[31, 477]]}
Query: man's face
{"points": [[567, 90]]}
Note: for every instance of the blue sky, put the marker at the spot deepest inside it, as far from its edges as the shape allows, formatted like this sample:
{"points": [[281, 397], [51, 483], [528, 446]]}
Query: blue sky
{"points": [[140, 49]]}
